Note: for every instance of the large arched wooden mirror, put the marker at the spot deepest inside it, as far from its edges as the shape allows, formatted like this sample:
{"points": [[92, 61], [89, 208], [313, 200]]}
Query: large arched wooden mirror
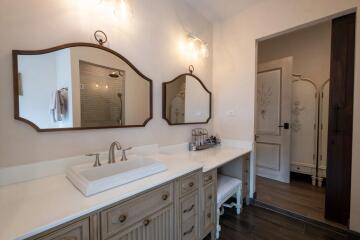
{"points": [[79, 86]]}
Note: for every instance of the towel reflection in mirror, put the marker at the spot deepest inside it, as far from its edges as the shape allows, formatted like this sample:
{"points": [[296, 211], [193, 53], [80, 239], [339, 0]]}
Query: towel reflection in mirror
{"points": [[58, 105]]}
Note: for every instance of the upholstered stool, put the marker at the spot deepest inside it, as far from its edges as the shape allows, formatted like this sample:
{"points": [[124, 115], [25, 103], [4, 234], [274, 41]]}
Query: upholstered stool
{"points": [[226, 188]]}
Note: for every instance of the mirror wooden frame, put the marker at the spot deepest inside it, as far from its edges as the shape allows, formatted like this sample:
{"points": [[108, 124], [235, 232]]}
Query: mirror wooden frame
{"points": [[164, 99], [16, 53]]}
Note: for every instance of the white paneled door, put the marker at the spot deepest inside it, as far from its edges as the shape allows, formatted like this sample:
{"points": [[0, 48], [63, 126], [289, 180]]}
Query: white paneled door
{"points": [[273, 119]]}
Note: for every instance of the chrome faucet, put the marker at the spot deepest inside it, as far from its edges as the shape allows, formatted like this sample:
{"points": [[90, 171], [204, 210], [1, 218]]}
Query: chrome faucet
{"points": [[112, 151]]}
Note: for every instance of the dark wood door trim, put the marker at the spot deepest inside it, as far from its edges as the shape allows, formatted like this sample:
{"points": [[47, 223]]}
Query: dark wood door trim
{"points": [[337, 204]]}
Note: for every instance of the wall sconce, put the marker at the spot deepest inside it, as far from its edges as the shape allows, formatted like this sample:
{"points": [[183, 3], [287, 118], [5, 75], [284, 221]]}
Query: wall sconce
{"points": [[195, 47]]}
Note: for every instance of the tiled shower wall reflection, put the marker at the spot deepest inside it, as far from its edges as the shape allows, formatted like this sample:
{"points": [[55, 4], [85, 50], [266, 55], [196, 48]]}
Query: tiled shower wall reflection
{"points": [[101, 96]]}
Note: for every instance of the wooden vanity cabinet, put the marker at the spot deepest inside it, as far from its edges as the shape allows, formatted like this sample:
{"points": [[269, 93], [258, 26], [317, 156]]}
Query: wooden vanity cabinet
{"points": [[183, 209]]}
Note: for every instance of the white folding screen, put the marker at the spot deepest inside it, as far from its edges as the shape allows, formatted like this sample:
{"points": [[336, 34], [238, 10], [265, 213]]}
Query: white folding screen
{"points": [[309, 130], [304, 127]]}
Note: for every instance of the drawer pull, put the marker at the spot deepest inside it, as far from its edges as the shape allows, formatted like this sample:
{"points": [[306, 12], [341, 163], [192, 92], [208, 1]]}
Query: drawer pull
{"points": [[189, 231], [122, 218], [209, 215], [210, 197], [209, 178], [189, 209], [191, 184], [165, 197], [146, 222]]}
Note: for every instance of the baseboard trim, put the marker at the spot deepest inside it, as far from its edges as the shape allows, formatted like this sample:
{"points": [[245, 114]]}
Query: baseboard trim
{"points": [[307, 220]]}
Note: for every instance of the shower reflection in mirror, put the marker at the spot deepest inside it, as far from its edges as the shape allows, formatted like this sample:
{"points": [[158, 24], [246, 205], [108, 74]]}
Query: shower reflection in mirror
{"points": [[101, 95]]}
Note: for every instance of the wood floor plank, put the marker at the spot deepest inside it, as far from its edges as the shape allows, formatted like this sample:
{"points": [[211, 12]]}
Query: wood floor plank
{"points": [[298, 197], [256, 223]]}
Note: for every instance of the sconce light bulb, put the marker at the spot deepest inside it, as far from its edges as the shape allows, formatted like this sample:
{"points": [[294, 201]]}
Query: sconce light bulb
{"points": [[97, 85], [191, 45], [204, 50], [196, 48], [122, 9]]}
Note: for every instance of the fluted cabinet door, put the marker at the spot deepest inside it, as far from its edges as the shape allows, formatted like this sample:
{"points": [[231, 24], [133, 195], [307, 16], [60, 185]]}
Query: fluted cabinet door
{"points": [[158, 226], [161, 225], [136, 232]]}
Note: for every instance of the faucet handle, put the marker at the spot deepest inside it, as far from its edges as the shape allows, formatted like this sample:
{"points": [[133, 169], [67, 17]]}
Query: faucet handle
{"points": [[97, 158], [123, 157]]}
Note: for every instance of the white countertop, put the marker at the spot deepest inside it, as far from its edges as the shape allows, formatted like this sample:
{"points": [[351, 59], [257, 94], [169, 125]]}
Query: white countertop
{"points": [[210, 158], [32, 207]]}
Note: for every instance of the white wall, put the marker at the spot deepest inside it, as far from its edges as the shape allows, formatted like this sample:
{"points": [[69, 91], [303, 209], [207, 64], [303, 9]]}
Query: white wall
{"points": [[38, 79], [309, 47], [235, 69], [150, 40]]}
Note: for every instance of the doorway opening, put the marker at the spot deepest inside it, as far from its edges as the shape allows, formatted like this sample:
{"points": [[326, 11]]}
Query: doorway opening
{"points": [[295, 119]]}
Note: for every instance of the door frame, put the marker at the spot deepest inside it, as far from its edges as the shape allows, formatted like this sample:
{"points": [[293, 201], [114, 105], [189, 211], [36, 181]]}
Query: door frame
{"points": [[356, 116]]}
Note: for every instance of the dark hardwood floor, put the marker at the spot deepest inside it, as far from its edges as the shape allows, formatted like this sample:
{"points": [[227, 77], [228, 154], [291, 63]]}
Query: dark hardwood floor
{"points": [[256, 223], [298, 197]]}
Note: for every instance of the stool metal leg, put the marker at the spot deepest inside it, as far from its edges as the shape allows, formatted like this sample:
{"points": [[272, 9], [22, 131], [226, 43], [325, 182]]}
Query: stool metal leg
{"points": [[218, 227], [238, 200]]}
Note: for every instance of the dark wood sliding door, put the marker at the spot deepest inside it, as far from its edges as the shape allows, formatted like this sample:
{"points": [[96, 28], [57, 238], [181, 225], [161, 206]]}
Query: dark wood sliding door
{"points": [[337, 205]]}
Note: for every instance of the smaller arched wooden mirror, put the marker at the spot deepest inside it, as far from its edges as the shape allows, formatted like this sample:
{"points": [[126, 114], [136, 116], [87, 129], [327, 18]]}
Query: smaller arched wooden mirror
{"points": [[186, 100]]}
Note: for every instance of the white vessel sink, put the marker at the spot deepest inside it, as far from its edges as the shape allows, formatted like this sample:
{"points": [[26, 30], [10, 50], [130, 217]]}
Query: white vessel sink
{"points": [[91, 180]]}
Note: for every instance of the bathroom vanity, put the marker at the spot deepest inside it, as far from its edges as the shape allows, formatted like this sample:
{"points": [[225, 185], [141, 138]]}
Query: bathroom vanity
{"points": [[179, 203], [174, 210]]}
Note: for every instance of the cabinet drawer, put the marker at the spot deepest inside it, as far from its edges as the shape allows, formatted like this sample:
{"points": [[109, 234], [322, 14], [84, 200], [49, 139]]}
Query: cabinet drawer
{"points": [[189, 183], [208, 218], [209, 195], [76, 231], [209, 177], [301, 169], [124, 215], [189, 207], [189, 229]]}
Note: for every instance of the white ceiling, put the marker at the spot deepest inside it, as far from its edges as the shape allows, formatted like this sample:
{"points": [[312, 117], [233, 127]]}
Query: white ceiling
{"points": [[217, 10]]}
